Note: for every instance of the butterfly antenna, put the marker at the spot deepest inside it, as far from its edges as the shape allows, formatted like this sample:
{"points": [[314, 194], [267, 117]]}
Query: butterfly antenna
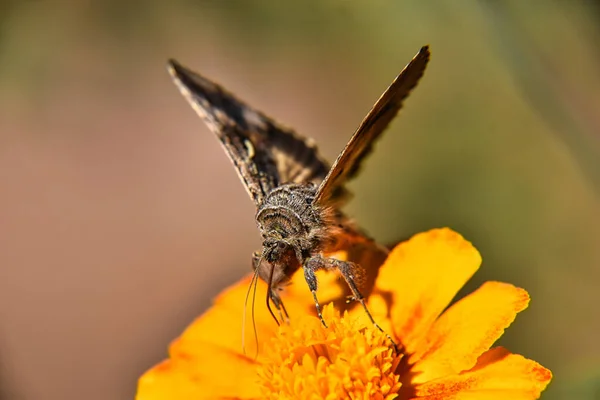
{"points": [[253, 317], [253, 281]]}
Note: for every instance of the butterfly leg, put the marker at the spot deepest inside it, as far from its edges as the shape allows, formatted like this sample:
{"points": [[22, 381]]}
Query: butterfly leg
{"points": [[310, 266], [283, 314], [351, 272]]}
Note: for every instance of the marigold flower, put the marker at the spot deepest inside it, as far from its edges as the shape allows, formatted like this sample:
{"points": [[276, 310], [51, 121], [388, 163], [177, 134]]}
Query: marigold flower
{"points": [[443, 355]]}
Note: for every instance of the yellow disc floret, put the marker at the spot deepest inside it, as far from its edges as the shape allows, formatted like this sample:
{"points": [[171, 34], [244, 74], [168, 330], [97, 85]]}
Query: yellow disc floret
{"points": [[307, 361]]}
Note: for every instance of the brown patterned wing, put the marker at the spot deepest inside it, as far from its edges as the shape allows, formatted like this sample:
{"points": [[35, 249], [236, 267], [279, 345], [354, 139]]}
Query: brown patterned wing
{"points": [[385, 109], [264, 153]]}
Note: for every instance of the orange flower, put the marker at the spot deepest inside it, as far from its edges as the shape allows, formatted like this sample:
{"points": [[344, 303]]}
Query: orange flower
{"points": [[444, 354]]}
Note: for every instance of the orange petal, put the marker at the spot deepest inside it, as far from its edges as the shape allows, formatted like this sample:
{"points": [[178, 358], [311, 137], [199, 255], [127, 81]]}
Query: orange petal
{"points": [[209, 352], [222, 324], [498, 375], [208, 376], [421, 276], [466, 330]]}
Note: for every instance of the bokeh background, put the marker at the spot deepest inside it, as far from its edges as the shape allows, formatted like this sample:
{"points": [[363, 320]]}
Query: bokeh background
{"points": [[121, 217]]}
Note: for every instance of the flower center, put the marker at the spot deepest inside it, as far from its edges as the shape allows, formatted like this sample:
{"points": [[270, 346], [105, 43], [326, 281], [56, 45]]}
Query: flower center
{"points": [[304, 360]]}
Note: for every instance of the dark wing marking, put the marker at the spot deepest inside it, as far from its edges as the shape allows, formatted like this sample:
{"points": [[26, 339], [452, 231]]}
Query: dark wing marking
{"points": [[264, 153], [385, 109]]}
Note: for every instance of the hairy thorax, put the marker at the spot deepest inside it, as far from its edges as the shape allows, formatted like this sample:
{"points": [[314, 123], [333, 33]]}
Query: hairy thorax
{"points": [[292, 230]]}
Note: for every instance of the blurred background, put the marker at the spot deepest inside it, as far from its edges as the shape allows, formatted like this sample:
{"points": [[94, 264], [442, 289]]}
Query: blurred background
{"points": [[121, 217]]}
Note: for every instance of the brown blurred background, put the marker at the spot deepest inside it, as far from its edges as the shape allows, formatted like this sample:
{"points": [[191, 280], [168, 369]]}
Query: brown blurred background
{"points": [[121, 216]]}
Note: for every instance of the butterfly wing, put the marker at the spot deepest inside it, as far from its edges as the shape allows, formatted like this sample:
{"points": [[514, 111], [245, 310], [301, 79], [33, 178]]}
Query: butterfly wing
{"points": [[385, 109], [264, 153]]}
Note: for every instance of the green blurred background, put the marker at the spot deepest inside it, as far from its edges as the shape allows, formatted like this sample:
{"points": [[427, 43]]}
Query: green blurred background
{"points": [[121, 217]]}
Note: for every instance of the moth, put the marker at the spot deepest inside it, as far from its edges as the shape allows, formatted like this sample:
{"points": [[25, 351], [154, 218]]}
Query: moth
{"points": [[297, 194]]}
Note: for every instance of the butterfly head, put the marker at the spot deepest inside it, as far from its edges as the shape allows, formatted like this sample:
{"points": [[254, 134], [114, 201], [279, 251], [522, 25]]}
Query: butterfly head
{"points": [[279, 260], [274, 249]]}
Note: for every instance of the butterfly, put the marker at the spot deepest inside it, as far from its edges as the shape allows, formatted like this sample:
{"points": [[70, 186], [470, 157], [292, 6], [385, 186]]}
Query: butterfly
{"points": [[297, 194]]}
